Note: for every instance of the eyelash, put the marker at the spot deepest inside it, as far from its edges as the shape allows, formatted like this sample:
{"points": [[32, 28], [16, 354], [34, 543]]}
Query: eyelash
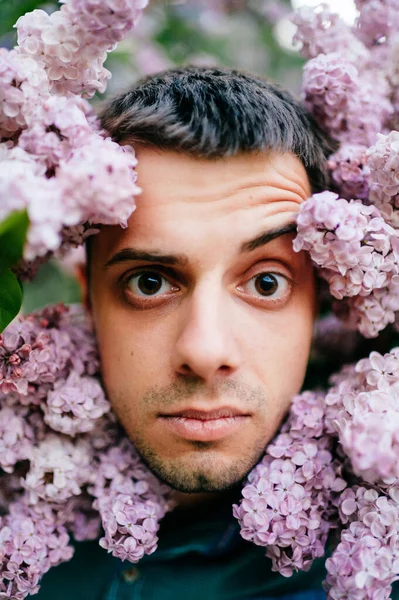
{"points": [[150, 301]]}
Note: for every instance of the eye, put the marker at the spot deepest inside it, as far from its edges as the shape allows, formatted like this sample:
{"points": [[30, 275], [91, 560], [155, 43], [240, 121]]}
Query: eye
{"points": [[268, 285], [149, 283]]}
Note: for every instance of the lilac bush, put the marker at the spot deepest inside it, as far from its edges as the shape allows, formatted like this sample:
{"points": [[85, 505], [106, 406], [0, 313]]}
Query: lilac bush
{"points": [[67, 470], [51, 146], [75, 469]]}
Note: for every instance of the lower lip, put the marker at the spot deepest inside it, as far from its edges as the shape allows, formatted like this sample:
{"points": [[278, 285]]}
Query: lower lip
{"points": [[202, 430]]}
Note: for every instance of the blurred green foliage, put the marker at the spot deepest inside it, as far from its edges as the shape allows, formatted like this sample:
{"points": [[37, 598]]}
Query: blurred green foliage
{"points": [[11, 10], [51, 284], [13, 232]]}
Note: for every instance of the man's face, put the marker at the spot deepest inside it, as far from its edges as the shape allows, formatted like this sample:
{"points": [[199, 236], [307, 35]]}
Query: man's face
{"points": [[204, 312]]}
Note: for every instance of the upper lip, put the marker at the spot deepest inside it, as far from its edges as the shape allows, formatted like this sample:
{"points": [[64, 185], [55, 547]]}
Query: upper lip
{"points": [[205, 415]]}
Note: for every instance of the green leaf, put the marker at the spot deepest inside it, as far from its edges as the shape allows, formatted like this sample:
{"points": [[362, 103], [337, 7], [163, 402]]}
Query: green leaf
{"points": [[12, 238], [10, 297], [11, 10]]}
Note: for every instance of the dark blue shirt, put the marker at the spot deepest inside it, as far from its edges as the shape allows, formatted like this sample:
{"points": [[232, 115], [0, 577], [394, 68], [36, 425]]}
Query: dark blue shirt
{"points": [[200, 556]]}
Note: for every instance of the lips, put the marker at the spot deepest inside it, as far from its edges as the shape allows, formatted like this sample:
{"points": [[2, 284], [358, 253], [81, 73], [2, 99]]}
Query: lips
{"points": [[203, 415], [205, 426]]}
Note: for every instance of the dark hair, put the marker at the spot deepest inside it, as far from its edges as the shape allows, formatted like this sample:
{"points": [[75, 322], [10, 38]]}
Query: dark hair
{"points": [[214, 113]]}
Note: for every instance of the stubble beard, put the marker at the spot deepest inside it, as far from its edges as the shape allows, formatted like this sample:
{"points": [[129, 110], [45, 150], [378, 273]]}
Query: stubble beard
{"points": [[202, 468], [208, 473]]}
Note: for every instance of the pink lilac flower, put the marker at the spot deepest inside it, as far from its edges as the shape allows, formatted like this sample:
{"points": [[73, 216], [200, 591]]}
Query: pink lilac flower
{"points": [[23, 189], [369, 110], [321, 31], [16, 437], [23, 83], [130, 500], [58, 469], [377, 22], [349, 171], [55, 129], [346, 102], [98, 183], [81, 191], [364, 411], [32, 541], [17, 368], [74, 405], [291, 491], [356, 250], [44, 348], [329, 82], [57, 135], [363, 564], [383, 162], [72, 43]]}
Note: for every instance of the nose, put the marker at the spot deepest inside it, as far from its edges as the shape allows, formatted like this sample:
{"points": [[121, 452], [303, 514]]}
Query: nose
{"points": [[206, 345]]}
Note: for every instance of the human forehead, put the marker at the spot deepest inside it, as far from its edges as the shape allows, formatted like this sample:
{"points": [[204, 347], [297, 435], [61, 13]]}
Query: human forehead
{"points": [[162, 174], [183, 196]]}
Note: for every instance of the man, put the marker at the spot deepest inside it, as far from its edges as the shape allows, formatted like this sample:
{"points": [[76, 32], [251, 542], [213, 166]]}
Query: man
{"points": [[204, 317]]}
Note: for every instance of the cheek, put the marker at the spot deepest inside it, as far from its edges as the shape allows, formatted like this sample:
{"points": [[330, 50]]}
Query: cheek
{"points": [[132, 351], [280, 347]]}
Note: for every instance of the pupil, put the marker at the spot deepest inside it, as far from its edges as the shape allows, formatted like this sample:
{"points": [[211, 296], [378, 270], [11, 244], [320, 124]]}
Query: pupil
{"points": [[266, 284], [149, 284]]}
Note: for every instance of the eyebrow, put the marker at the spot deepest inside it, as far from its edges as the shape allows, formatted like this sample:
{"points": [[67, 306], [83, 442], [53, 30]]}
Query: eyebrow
{"points": [[130, 254], [268, 236]]}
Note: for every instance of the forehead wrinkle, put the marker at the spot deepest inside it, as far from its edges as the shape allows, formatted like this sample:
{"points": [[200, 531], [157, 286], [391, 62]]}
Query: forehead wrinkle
{"points": [[200, 187]]}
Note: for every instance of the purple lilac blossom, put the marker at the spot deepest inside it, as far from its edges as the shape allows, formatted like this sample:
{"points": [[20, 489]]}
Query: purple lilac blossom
{"points": [[67, 469], [293, 498], [288, 502], [377, 22], [72, 43], [355, 251], [350, 172], [383, 162], [350, 104], [366, 417], [321, 31], [53, 154]]}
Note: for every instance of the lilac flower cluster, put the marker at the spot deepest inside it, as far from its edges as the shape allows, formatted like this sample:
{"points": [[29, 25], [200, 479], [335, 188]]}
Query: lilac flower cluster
{"points": [[72, 43], [357, 253], [300, 490], [23, 82], [378, 21], [80, 192], [383, 163], [365, 562], [65, 467], [131, 502], [43, 348], [32, 540], [365, 409], [350, 172], [288, 502], [350, 104], [350, 85], [55, 163], [321, 31], [58, 481]]}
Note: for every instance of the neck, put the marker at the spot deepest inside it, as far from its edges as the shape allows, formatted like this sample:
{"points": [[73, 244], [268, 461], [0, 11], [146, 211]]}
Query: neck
{"points": [[185, 501]]}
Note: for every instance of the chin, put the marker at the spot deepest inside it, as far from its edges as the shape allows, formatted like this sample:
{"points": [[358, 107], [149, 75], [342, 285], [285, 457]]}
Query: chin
{"points": [[203, 472]]}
